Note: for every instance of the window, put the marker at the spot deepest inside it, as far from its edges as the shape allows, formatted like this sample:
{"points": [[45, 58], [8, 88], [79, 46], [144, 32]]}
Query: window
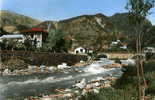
{"points": [[81, 50], [77, 52]]}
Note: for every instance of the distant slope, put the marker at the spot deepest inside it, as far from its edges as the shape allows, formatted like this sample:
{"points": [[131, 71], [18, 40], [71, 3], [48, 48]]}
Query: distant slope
{"points": [[121, 23], [84, 29], [87, 29], [15, 20]]}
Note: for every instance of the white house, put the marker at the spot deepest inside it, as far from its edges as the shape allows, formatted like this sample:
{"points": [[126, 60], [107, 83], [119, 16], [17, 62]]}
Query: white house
{"points": [[80, 50], [124, 47], [36, 35], [149, 49], [17, 37], [115, 42]]}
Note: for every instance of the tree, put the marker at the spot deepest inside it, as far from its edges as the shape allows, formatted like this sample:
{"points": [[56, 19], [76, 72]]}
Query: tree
{"points": [[149, 39], [55, 41], [138, 10]]}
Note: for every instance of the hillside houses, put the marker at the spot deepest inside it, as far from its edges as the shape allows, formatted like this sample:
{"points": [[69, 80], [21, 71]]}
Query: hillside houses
{"points": [[35, 36], [17, 37]]}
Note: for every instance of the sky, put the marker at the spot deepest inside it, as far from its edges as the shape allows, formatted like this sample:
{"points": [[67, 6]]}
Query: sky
{"points": [[63, 9]]}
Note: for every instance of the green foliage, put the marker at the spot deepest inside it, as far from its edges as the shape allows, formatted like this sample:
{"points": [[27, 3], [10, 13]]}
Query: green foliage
{"points": [[126, 87], [112, 94], [138, 10], [149, 38], [149, 66], [128, 78], [55, 41], [8, 44]]}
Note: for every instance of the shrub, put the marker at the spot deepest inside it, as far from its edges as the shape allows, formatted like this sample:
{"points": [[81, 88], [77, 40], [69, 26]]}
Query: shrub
{"points": [[112, 94]]}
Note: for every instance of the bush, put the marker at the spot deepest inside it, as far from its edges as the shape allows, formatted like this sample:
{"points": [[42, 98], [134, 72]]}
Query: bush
{"points": [[129, 77], [149, 66], [150, 55], [112, 94], [150, 78]]}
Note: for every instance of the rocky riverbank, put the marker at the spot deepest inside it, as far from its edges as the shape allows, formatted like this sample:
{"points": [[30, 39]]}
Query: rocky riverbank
{"points": [[80, 88], [62, 68]]}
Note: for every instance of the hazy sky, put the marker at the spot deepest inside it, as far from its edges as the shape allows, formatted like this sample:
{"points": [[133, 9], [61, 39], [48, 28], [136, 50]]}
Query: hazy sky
{"points": [[62, 9]]}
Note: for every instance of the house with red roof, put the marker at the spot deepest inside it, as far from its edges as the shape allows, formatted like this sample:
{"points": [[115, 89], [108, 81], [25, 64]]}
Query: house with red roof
{"points": [[36, 35]]}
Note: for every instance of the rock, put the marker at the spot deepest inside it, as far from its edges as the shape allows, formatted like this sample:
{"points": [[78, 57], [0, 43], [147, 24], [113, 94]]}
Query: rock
{"points": [[89, 86], [63, 66], [128, 62], [68, 95], [32, 67], [68, 90], [95, 90], [51, 68], [97, 84], [47, 98], [82, 84], [81, 61], [131, 61], [42, 66], [115, 65], [6, 72], [97, 79], [77, 92], [84, 92]]}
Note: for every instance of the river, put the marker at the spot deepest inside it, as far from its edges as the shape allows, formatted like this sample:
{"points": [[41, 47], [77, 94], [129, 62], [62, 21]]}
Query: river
{"points": [[19, 87]]}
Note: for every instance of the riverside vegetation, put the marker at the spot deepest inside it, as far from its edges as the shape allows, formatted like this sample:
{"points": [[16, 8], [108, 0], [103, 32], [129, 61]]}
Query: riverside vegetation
{"points": [[126, 87]]}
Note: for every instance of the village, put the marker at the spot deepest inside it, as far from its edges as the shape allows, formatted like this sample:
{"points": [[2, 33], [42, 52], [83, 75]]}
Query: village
{"points": [[77, 50], [87, 63]]}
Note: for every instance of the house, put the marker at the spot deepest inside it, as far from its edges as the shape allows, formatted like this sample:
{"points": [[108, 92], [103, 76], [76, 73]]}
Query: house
{"points": [[113, 43], [149, 49], [80, 50], [124, 47], [35, 35], [17, 37]]}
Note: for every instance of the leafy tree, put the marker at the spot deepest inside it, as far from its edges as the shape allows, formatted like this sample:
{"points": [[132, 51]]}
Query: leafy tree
{"points": [[28, 44], [149, 38], [55, 41], [138, 10]]}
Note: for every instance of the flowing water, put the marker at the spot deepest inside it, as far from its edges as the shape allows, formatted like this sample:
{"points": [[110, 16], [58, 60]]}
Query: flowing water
{"points": [[19, 87]]}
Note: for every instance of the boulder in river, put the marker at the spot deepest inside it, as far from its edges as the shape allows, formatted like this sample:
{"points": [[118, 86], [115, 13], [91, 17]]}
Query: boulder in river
{"points": [[63, 66]]}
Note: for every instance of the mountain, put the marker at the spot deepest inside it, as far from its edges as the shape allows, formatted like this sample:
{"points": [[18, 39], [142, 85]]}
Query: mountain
{"points": [[84, 29], [121, 23], [11, 21], [93, 30]]}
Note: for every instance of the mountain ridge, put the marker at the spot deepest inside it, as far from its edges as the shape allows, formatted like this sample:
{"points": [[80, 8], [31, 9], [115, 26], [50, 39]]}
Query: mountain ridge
{"points": [[87, 30]]}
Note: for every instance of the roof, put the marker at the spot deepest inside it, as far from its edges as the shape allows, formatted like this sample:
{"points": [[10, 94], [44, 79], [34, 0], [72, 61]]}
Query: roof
{"points": [[34, 30], [12, 36]]}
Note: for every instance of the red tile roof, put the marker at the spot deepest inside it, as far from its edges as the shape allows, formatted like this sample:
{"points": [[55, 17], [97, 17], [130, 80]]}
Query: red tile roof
{"points": [[34, 30]]}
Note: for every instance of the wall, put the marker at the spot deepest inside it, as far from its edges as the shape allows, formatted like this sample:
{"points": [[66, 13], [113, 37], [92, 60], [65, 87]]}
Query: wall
{"points": [[120, 55], [43, 58]]}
